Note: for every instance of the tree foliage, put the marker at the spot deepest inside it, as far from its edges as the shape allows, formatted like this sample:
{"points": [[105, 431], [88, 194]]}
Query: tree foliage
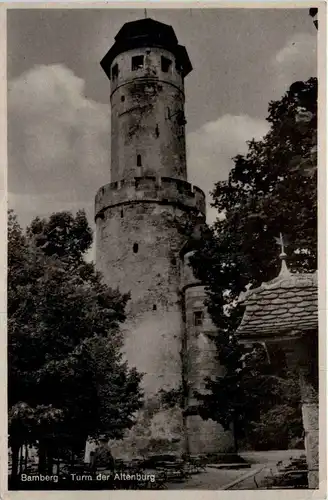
{"points": [[270, 190], [249, 393], [67, 379]]}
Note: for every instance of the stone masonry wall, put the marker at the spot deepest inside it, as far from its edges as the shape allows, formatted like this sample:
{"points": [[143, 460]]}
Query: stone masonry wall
{"points": [[150, 189], [141, 220], [147, 118], [205, 436], [153, 328]]}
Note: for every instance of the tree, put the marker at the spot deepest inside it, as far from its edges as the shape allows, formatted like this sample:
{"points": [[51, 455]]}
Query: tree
{"points": [[248, 395], [67, 379], [270, 190]]}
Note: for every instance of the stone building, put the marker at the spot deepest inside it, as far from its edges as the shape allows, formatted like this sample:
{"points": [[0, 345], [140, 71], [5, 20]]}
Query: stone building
{"points": [[284, 312], [146, 222]]}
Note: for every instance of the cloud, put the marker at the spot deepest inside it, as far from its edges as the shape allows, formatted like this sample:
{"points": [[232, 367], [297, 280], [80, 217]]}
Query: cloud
{"points": [[210, 150], [58, 142], [295, 61]]}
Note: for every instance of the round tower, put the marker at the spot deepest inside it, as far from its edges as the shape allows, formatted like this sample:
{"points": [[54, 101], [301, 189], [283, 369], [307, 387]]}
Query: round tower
{"points": [[146, 67], [204, 436], [139, 214], [143, 216]]}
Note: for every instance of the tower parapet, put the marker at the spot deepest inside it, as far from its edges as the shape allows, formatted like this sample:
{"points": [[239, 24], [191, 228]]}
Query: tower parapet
{"points": [[164, 190]]}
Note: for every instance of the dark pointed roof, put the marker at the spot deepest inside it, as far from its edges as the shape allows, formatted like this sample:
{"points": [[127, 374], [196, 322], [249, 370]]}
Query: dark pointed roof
{"points": [[147, 33], [286, 305]]}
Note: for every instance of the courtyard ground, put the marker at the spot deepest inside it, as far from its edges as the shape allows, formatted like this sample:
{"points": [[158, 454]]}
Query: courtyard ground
{"points": [[238, 479]]}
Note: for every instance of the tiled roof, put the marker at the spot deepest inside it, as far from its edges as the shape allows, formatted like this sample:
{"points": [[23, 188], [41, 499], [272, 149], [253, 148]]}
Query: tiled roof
{"points": [[286, 305]]}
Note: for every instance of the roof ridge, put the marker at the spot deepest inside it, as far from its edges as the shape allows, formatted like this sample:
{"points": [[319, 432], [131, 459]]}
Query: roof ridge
{"points": [[282, 277]]}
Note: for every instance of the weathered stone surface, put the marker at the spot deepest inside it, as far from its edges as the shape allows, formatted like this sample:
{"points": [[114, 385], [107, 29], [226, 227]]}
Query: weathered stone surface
{"points": [[313, 480], [153, 336], [310, 413], [160, 431], [147, 122], [207, 436], [312, 449], [204, 436], [150, 189]]}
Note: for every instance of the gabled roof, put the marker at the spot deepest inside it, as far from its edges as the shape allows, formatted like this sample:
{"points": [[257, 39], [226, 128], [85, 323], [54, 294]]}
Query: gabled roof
{"points": [[286, 305]]}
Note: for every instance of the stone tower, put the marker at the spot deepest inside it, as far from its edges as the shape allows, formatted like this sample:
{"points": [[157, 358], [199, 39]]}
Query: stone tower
{"points": [[144, 219]]}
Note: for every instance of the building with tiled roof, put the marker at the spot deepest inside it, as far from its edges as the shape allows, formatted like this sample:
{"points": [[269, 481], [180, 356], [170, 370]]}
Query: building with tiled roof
{"points": [[284, 311], [286, 305]]}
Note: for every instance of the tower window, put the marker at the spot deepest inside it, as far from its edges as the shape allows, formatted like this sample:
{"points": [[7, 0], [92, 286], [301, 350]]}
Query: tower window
{"points": [[139, 164], [165, 64], [178, 67], [154, 307], [198, 318], [135, 247], [137, 62], [181, 119], [115, 71], [122, 98], [122, 214]]}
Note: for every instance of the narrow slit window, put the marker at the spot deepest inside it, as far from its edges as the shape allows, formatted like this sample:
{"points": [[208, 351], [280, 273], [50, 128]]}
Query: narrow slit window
{"points": [[139, 164], [154, 307], [135, 248], [166, 64], [122, 214], [115, 71], [198, 318], [137, 62], [122, 98]]}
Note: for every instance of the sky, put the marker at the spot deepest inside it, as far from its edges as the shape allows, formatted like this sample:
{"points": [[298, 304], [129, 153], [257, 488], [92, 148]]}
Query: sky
{"points": [[58, 95]]}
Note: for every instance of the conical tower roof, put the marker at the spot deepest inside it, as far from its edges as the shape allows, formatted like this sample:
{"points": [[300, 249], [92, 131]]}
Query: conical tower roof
{"points": [[147, 33]]}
